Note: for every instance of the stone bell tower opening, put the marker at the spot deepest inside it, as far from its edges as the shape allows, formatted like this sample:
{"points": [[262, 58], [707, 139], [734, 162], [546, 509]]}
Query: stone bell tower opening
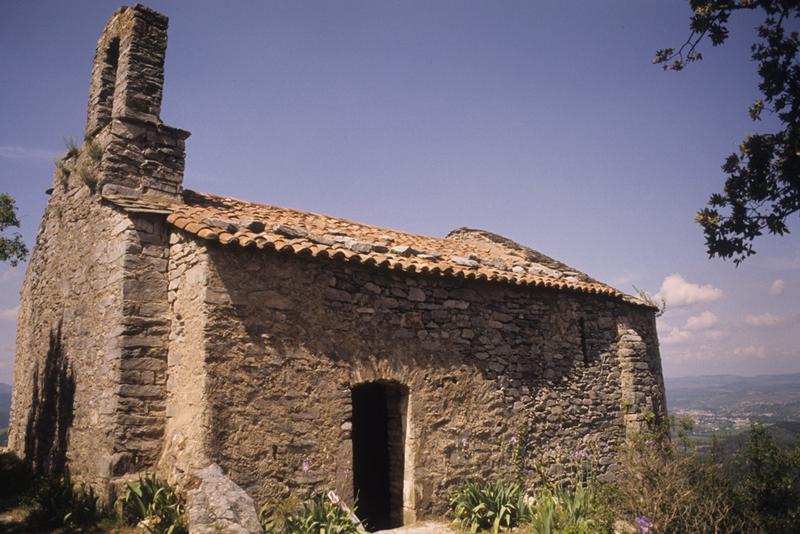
{"points": [[109, 78], [379, 432]]}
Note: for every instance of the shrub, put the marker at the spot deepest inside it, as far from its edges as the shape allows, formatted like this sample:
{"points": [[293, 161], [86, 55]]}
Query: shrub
{"points": [[678, 492], [59, 503], [16, 477], [491, 506], [316, 516], [768, 482], [153, 504]]}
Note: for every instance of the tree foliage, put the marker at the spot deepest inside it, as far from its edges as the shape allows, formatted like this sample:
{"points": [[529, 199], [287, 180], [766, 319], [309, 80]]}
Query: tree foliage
{"points": [[762, 188], [769, 481], [12, 248]]}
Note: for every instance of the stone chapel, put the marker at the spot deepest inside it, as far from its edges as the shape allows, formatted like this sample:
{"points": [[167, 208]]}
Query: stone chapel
{"points": [[163, 330]]}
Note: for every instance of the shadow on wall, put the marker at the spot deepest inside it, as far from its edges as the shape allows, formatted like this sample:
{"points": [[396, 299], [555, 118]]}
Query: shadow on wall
{"points": [[51, 411]]}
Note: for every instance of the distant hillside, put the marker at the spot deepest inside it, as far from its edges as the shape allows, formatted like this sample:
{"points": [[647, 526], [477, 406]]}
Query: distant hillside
{"points": [[732, 382], [728, 392], [5, 404], [727, 403], [5, 407]]}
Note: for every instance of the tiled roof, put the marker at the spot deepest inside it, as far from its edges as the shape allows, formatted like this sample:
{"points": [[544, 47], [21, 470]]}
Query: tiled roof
{"points": [[464, 253]]}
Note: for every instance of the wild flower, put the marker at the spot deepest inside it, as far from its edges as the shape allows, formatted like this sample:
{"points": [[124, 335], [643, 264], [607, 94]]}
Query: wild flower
{"points": [[580, 454], [306, 465], [644, 524]]}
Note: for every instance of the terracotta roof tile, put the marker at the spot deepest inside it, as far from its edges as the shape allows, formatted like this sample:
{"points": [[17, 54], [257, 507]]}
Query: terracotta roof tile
{"points": [[465, 253]]}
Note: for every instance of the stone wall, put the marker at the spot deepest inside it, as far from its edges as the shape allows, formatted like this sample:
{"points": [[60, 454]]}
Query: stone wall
{"points": [[141, 156], [187, 418], [71, 317], [93, 334], [285, 339], [90, 371], [141, 345]]}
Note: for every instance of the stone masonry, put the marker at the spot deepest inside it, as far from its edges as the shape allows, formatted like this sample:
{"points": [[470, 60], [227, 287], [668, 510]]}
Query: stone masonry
{"points": [[225, 344]]}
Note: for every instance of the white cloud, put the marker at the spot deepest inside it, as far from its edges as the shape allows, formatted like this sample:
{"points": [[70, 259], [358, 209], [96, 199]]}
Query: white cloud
{"points": [[677, 291], [675, 336], [703, 321], [26, 153], [714, 334], [777, 287], [757, 352], [765, 319], [9, 314]]}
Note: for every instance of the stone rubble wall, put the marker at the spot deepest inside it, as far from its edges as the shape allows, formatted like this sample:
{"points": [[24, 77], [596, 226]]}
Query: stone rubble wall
{"points": [[142, 346], [287, 337], [141, 155], [187, 427], [141, 159], [128, 69], [105, 271], [74, 277]]}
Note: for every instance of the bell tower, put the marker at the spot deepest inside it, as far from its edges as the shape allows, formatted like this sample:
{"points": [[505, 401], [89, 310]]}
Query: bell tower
{"points": [[141, 156]]}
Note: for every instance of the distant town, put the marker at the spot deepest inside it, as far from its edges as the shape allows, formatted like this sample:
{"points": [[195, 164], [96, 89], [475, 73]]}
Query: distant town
{"points": [[726, 404]]}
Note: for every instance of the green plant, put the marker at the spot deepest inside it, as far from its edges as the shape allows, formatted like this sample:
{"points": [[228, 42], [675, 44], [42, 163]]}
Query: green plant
{"points": [[272, 515], [72, 147], [565, 510], [153, 504], [12, 247], [61, 167], [316, 516], [678, 492], [661, 307], [479, 505], [94, 150], [88, 174], [60, 504], [768, 481]]}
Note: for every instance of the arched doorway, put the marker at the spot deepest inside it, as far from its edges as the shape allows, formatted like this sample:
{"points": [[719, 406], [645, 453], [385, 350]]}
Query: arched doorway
{"points": [[379, 437]]}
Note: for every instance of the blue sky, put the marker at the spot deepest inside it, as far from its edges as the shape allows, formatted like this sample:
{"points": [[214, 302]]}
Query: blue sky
{"points": [[542, 121]]}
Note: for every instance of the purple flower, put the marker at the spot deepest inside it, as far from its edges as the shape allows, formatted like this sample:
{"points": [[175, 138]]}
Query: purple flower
{"points": [[306, 465], [513, 439], [579, 454], [644, 524]]}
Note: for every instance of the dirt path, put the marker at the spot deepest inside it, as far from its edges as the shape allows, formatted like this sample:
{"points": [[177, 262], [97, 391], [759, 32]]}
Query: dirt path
{"points": [[425, 527]]}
